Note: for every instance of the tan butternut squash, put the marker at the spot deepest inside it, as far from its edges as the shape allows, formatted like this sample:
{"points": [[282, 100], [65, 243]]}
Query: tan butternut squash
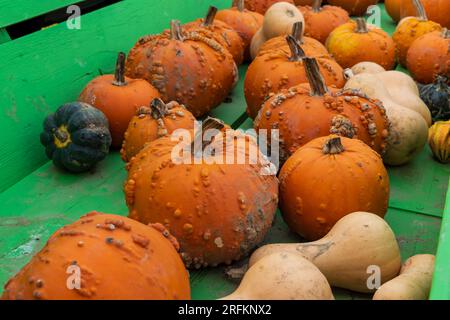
{"points": [[356, 242], [282, 276], [280, 18], [413, 283], [367, 67], [257, 41], [408, 131]]}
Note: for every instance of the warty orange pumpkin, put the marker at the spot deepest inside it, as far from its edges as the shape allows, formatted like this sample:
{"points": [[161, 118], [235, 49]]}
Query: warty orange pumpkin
{"points": [[437, 10], [218, 211], [260, 6], [307, 111], [329, 178], [118, 97], [273, 71], [354, 7], [185, 67]]}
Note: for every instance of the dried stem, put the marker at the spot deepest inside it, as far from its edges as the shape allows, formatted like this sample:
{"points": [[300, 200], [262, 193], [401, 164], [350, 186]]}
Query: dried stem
{"points": [[240, 5], [361, 26], [297, 52], [316, 5], [208, 123], [175, 30], [119, 74], [421, 13], [210, 16], [315, 79], [297, 31], [446, 33], [159, 109], [333, 146]]}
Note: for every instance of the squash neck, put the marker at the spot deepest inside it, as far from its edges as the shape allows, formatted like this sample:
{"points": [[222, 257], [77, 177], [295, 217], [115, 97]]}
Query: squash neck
{"points": [[316, 6], [361, 26], [421, 13], [315, 79], [297, 53], [176, 31], [210, 16], [208, 124], [333, 146], [119, 74]]}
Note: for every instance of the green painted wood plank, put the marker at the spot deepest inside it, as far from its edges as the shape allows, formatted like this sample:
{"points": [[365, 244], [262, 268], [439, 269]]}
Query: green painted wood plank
{"points": [[4, 36], [48, 68], [20, 10]]}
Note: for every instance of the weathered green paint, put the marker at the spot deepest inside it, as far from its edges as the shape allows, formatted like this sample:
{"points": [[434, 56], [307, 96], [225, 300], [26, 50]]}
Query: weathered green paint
{"points": [[47, 198]]}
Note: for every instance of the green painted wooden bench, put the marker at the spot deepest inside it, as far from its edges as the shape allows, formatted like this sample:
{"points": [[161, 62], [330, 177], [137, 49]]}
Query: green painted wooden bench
{"points": [[47, 68]]}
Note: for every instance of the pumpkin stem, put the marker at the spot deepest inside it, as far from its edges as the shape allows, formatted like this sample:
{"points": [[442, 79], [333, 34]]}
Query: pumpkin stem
{"points": [[421, 13], [240, 5], [297, 52], [210, 16], [333, 146], [208, 123], [316, 5], [119, 74], [361, 26], [159, 108], [175, 30], [446, 33], [315, 79], [297, 31]]}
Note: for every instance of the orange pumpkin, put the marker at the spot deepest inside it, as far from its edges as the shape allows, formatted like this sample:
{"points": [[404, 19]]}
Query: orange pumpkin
{"points": [[153, 123], [245, 22], [356, 42], [273, 71], [411, 28], [260, 6], [321, 21], [185, 67], [110, 254], [329, 178], [310, 46], [303, 2], [429, 56], [308, 111], [354, 7], [393, 9], [219, 212], [118, 97], [437, 10], [221, 32]]}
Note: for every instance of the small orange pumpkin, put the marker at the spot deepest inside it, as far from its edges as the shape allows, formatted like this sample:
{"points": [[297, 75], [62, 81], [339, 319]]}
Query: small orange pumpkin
{"points": [[111, 254], [354, 7], [273, 71], [118, 97], [245, 22], [429, 56], [185, 67], [260, 6], [393, 9], [329, 178], [321, 21], [218, 210], [308, 111], [310, 46], [219, 31], [356, 42], [153, 123], [411, 28], [437, 10]]}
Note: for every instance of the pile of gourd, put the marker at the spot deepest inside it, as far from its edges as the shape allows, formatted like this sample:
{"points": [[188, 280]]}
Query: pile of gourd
{"points": [[341, 112]]}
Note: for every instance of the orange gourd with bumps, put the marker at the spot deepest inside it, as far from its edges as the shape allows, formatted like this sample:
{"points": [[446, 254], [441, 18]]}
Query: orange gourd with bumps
{"points": [[354, 7], [260, 6], [437, 10]]}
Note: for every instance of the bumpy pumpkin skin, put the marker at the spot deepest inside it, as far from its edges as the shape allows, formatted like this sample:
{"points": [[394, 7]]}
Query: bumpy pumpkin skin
{"points": [[113, 255], [273, 71], [146, 127], [260, 6], [429, 56], [221, 32], [219, 212], [76, 137], [301, 117], [393, 9], [354, 7], [118, 103], [322, 21], [195, 71], [349, 47], [437, 11], [353, 180], [245, 22]]}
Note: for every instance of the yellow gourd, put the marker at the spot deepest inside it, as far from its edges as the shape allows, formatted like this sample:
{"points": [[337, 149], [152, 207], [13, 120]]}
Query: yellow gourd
{"points": [[282, 276], [439, 141], [413, 283], [356, 242]]}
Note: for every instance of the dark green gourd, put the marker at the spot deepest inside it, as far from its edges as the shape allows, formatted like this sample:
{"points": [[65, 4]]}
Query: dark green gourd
{"points": [[437, 97], [76, 137]]}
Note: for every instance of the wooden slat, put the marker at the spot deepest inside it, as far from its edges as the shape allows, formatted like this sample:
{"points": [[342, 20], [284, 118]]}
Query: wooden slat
{"points": [[45, 69], [14, 11]]}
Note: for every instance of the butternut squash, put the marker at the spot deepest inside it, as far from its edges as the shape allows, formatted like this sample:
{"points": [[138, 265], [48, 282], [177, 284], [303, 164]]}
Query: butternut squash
{"points": [[356, 242], [367, 67], [282, 276], [413, 283], [280, 18], [408, 131]]}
